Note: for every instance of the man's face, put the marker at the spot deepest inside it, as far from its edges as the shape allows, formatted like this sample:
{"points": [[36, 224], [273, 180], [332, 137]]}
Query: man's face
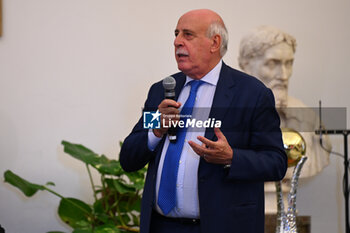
{"points": [[192, 46], [274, 69]]}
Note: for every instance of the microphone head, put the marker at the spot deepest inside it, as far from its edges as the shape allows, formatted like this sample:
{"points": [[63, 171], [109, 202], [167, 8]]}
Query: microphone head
{"points": [[169, 83]]}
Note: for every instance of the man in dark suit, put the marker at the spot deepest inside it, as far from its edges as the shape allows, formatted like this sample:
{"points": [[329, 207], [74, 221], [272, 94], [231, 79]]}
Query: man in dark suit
{"points": [[219, 173]]}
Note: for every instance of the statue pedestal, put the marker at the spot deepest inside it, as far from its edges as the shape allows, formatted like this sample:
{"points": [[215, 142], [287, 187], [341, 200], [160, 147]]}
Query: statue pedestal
{"points": [[303, 223]]}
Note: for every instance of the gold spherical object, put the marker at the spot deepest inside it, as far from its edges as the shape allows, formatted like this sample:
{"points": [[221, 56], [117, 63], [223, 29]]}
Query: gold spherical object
{"points": [[294, 145]]}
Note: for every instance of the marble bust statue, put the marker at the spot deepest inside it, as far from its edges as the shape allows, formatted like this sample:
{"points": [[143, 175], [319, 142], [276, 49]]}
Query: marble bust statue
{"points": [[268, 54]]}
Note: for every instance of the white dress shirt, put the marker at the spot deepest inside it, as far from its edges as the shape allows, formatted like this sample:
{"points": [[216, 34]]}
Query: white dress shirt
{"points": [[187, 203]]}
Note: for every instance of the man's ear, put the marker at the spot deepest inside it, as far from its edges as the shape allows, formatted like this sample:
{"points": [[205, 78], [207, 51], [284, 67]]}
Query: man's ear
{"points": [[216, 43]]}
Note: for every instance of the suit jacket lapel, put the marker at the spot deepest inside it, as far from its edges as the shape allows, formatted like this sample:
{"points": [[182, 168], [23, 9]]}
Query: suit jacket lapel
{"points": [[223, 97], [180, 82]]}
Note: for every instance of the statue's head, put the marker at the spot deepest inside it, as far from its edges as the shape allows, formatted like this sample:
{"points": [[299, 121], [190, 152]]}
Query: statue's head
{"points": [[268, 54]]}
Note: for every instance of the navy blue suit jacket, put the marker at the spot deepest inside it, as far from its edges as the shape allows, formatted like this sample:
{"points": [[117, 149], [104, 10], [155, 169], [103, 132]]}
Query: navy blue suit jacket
{"points": [[230, 201]]}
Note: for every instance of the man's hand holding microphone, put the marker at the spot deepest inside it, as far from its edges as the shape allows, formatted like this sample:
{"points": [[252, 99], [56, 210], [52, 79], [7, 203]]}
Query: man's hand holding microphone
{"points": [[169, 110], [170, 113]]}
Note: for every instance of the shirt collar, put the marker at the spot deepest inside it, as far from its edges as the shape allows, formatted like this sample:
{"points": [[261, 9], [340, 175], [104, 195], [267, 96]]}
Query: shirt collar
{"points": [[212, 77]]}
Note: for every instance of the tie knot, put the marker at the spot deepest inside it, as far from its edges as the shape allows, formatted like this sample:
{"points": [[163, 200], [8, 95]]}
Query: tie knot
{"points": [[195, 85]]}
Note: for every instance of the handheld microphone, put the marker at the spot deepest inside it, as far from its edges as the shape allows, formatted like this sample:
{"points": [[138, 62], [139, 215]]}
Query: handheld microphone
{"points": [[169, 84]]}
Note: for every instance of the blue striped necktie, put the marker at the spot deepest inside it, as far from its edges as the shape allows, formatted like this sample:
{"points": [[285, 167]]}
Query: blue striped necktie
{"points": [[167, 187]]}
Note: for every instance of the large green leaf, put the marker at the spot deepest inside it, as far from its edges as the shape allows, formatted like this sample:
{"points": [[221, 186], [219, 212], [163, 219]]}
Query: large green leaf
{"points": [[80, 152], [29, 189], [72, 211], [120, 187], [109, 166], [101, 163]]}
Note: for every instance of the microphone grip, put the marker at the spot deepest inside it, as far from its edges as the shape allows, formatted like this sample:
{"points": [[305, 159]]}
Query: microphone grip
{"points": [[170, 94], [172, 134]]}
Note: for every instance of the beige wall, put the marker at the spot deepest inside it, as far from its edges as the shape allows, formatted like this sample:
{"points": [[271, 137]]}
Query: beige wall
{"points": [[67, 67]]}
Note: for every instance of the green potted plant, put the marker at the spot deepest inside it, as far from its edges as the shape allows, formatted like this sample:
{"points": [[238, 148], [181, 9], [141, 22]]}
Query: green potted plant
{"points": [[117, 200]]}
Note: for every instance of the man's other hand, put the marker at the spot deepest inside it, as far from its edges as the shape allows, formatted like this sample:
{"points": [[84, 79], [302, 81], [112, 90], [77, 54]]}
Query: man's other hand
{"points": [[218, 152]]}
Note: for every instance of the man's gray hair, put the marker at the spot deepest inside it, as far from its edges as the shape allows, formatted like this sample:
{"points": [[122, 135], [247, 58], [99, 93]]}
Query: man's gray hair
{"points": [[217, 28], [256, 42]]}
